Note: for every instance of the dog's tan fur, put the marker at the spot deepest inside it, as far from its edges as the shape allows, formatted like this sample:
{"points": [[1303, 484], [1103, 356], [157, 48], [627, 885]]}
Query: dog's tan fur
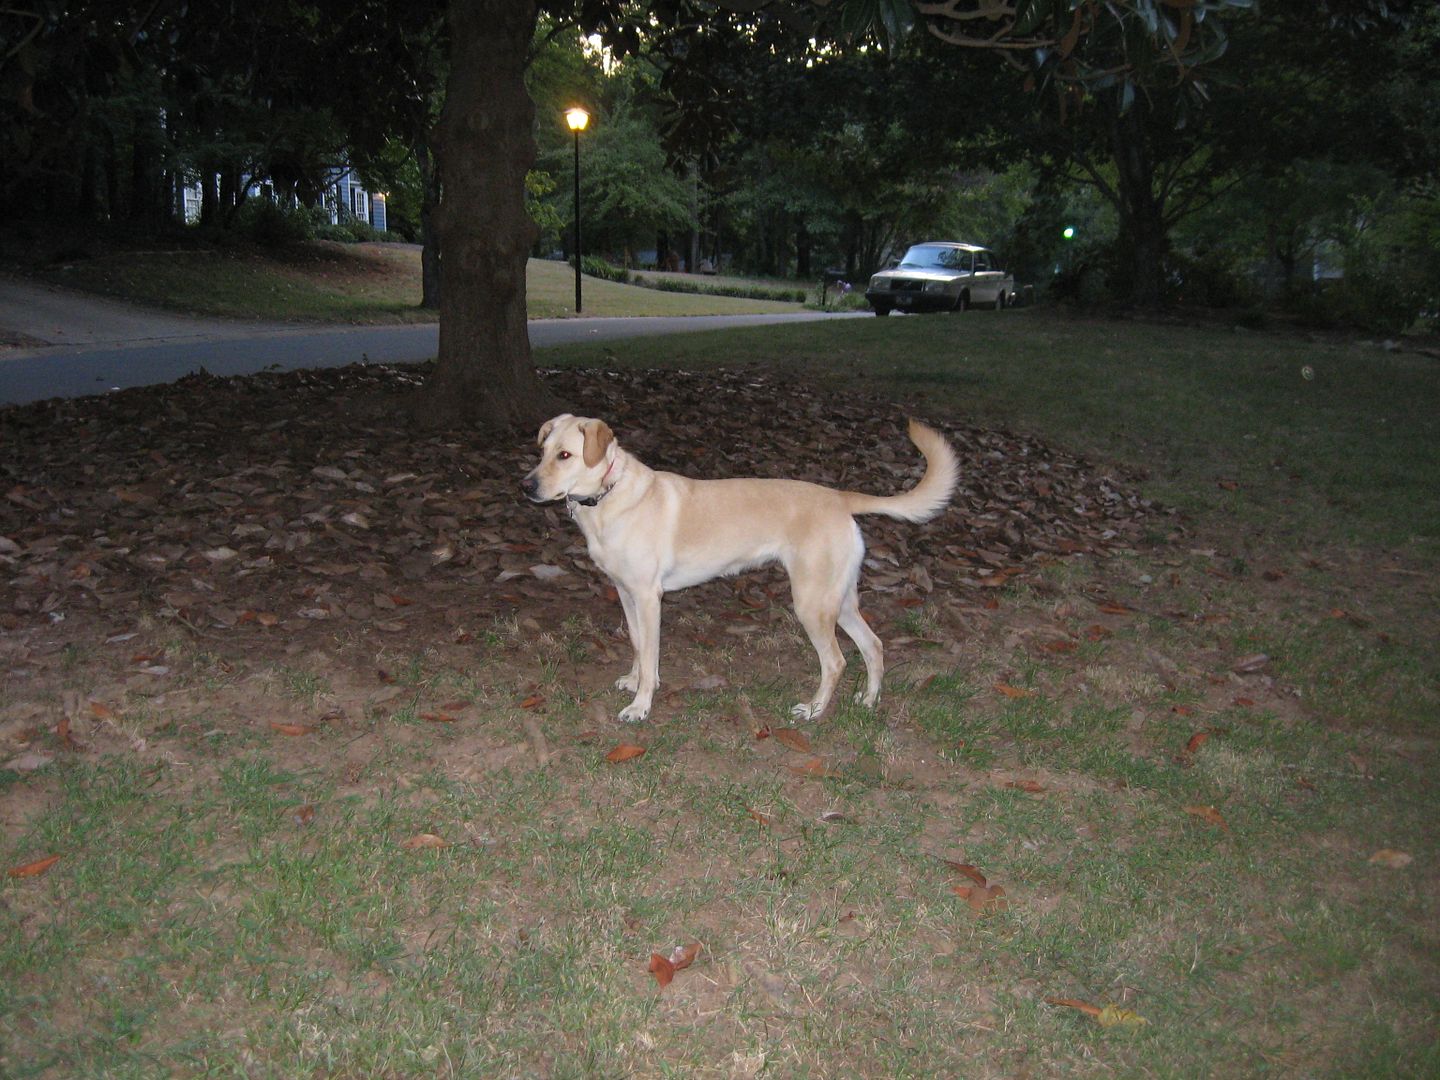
{"points": [[652, 532]]}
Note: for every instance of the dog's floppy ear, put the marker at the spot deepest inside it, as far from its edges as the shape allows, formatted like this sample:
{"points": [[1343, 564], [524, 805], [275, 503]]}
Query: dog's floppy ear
{"points": [[548, 427], [598, 438]]}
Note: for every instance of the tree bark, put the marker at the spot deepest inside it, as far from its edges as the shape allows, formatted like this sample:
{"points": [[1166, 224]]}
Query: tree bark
{"points": [[1142, 215], [483, 373]]}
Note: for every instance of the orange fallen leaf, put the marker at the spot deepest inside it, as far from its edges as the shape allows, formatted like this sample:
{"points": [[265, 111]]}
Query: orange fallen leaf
{"points": [[763, 819], [437, 718], [425, 840], [1183, 710], [662, 969], [1075, 1003], [1061, 646], [534, 701], [1196, 741], [983, 899], [1207, 814], [62, 732], [1013, 691], [793, 738], [1109, 1016], [1034, 787], [39, 866], [665, 967], [100, 711], [1116, 609], [289, 729], [969, 871], [1391, 859], [624, 752], [815, 768]]}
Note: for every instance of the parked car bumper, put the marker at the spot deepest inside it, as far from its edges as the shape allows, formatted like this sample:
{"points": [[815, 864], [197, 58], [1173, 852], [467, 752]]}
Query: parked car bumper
{"points": [[909, 300]]}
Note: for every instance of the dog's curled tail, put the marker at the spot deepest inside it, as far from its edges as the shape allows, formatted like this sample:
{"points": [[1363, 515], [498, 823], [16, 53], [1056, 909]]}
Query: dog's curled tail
{"points": [[929, 496]]}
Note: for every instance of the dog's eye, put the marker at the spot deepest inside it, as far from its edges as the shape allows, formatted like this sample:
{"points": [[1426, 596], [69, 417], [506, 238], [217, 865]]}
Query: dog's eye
{"points": [[564, 455]]}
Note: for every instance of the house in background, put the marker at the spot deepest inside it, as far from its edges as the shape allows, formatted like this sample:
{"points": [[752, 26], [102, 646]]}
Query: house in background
{"points": [[345, 198]]}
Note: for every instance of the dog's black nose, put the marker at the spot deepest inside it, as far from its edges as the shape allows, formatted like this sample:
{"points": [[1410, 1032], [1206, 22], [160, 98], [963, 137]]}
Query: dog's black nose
{"points": [[530, 485]]}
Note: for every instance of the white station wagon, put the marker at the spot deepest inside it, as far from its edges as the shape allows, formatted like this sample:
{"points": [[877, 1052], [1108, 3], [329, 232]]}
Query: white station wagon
{"points": [[941, 276]]}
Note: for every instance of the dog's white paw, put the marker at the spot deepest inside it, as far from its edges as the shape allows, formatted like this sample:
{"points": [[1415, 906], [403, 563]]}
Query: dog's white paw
{"points": [[629, 682], [806, 711], [862, 698], [634, 713]]}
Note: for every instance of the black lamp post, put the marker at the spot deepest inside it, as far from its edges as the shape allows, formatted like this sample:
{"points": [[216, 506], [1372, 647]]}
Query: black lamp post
{"points": [[577, 118]]}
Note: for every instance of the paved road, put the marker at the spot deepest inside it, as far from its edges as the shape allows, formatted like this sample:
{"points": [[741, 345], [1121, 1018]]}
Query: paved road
{"points": [[58, 343]]}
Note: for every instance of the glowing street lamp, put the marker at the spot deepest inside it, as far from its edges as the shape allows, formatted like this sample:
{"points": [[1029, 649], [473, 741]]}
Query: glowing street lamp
{"points": [[577, 118]]}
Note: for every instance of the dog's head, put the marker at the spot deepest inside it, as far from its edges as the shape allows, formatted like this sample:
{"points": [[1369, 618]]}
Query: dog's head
{"points": [[576, 454]]}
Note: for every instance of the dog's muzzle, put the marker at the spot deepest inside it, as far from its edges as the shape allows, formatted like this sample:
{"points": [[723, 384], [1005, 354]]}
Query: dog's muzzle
{"points": [[531, 487]]}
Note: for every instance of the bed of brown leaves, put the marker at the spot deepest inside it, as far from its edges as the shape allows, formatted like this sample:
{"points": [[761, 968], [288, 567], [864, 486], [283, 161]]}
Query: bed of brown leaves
{"points": [[277, 511]]}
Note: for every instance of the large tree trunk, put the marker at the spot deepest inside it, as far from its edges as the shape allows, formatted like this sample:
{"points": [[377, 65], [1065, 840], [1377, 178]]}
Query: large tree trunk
{"points": [[1142, 215], [483, 374]]}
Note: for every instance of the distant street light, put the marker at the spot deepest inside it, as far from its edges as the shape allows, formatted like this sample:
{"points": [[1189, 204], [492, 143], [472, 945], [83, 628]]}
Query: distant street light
{"points": [[1068, 232], [577, 118]]}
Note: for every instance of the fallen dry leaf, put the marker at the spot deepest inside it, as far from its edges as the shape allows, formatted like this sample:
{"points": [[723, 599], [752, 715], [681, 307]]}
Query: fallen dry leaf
{"points": [[763, 819], [665, 967], [1013, 691], [425, 840], [1391, 859], [1107, 1016], [1207, 814], [624, 752], [39, 866], [794, 739], [1032, 786], [969, 871], [815, 768], [1196, 741], [983, 899], [289, 729]]}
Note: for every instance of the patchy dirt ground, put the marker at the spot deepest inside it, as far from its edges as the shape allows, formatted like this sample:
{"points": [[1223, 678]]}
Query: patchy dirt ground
{"points": [[270, 517], [282, 556]]}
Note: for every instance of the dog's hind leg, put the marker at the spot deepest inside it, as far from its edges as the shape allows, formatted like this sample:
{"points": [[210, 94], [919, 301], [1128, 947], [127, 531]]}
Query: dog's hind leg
{"points": [[822, 581], [818, 615], [854, 624]]}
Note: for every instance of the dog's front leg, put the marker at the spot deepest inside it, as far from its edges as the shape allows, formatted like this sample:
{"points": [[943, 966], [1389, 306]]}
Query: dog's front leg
{"points": [[642, 612], [631, 681]]}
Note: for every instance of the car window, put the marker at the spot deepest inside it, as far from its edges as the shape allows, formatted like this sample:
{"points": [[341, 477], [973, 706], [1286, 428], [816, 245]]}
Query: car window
{"points": [[982, 261]]}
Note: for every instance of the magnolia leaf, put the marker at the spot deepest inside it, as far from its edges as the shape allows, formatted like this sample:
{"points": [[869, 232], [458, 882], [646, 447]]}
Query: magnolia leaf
{"points": [[792, 738], [34, 869]]}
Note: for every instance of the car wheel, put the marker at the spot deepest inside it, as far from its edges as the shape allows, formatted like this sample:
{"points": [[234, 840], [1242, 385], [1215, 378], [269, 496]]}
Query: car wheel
{"points": [[962, 302], [881, 312]]}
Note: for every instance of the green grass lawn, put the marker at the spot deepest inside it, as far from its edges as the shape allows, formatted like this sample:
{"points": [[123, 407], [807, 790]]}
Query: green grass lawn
{"points": [[1242, 853], [354, 283]]}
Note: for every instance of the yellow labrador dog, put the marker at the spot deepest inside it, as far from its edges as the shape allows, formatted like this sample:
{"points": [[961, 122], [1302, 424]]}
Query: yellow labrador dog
{"points": [[652, 532]]}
